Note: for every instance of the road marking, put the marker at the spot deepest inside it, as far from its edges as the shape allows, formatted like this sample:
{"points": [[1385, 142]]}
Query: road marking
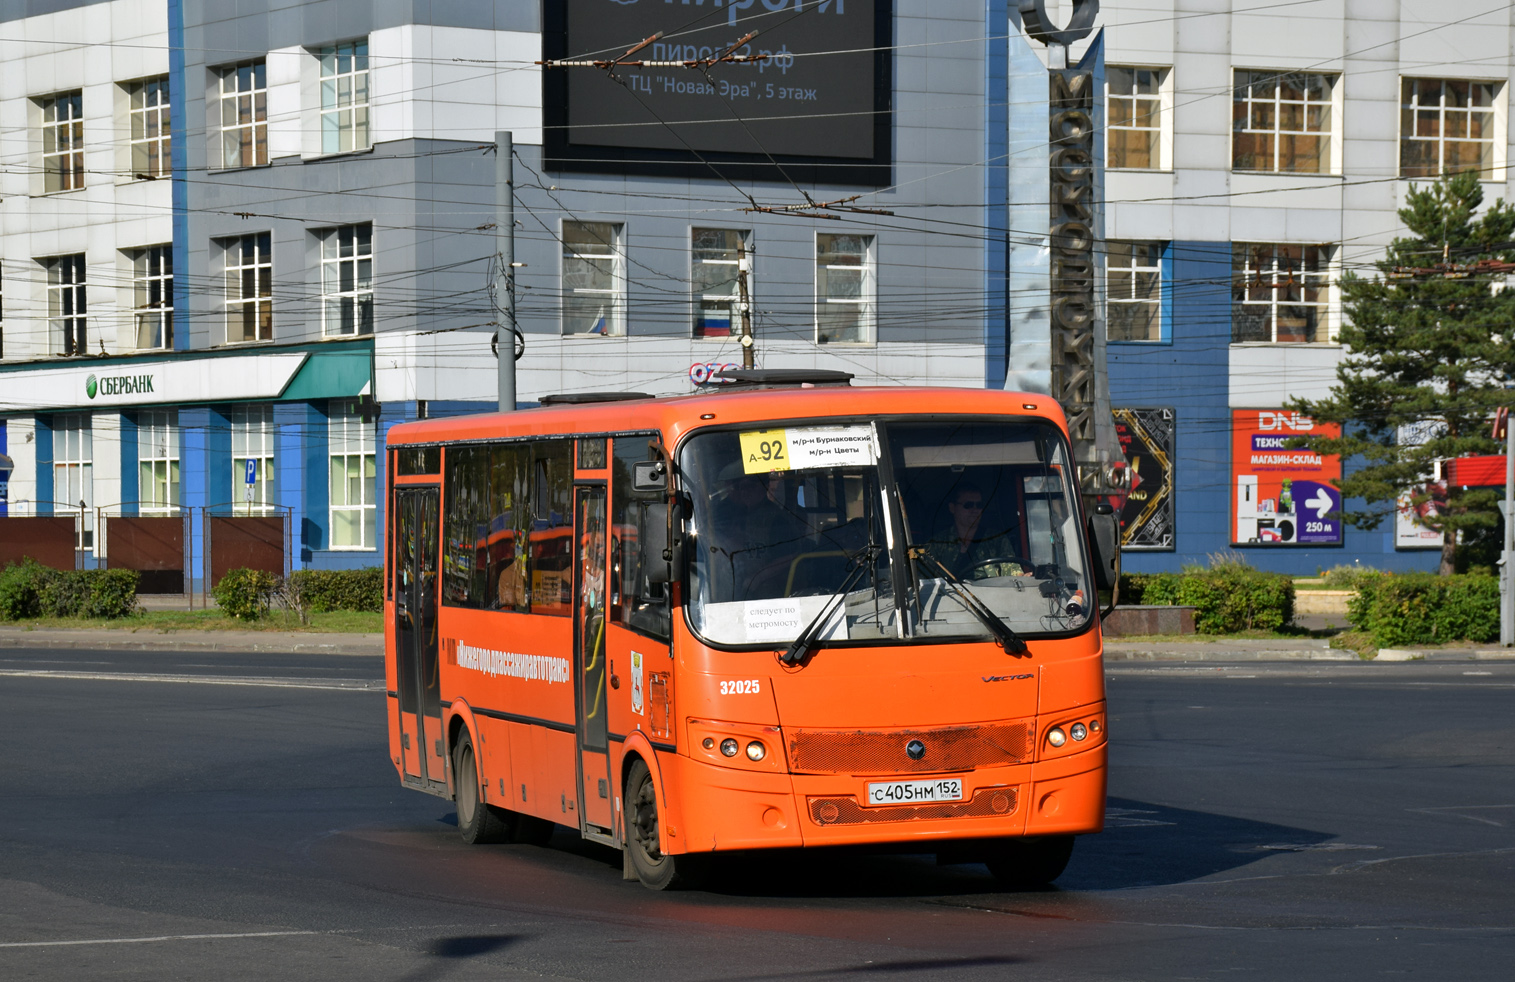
{"points": [[335, 685], [162, 937]]}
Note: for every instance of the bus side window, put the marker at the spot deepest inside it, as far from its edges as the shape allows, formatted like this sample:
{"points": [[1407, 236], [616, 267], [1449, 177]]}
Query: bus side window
{"points": [[551, 535], [635, 603], [466, 527], [507, 584]]}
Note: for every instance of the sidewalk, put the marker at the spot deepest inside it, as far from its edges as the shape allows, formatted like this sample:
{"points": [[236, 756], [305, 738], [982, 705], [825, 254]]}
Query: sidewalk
{"points": [[143, 639]]}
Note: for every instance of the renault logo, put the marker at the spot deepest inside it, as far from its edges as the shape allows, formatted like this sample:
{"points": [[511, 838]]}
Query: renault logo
{"points": [[915, 750]]}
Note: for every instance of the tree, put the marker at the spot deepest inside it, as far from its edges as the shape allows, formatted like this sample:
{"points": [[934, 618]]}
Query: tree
{"points": [[1429, 350]]}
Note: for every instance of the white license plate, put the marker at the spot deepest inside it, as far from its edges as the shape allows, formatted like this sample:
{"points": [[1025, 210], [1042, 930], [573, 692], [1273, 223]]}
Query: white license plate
{"points": [[912, 792]]}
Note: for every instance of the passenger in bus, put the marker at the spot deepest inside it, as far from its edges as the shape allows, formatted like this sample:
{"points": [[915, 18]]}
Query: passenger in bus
{"points": [[967, 547]]}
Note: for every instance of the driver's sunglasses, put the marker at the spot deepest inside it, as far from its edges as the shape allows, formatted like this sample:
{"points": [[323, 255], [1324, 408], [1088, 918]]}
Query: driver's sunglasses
{"points": [[971, 505]]}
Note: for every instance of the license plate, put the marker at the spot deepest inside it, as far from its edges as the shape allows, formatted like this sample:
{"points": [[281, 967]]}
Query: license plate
{"points": [[910, 792]]}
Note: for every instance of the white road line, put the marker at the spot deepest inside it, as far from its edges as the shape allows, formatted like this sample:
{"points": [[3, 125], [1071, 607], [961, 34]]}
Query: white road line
{"points": [[335, 685], [163, 937]]}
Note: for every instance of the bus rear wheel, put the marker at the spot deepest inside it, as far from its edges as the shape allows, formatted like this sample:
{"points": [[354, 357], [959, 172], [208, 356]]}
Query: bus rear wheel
{"points": [[1026, 864], [477, 822], [656, 869]]}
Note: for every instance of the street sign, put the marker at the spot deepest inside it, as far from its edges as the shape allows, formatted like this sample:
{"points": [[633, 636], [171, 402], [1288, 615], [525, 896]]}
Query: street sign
{"points": [[252, 478]]}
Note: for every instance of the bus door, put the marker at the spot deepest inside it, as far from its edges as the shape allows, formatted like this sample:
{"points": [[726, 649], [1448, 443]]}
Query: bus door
{"points": [[589, 659], [420, 690]]}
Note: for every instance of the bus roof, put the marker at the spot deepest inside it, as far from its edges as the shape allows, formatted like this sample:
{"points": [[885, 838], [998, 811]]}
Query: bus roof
{"points": [[677, 415]]}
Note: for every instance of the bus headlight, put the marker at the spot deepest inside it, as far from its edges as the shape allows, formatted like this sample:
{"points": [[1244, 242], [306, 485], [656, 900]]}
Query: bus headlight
{"points": [[756, 751], [1056, 736], [1077, 731], [729, 747]]}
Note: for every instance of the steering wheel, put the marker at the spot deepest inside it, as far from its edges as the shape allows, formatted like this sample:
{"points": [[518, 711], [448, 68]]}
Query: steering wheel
{"points": [[981, 569]]}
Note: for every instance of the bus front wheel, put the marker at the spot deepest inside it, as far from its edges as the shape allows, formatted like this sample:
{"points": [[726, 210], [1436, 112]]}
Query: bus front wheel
{"points": [[656, 869], [477, 822], [1025, 864]]}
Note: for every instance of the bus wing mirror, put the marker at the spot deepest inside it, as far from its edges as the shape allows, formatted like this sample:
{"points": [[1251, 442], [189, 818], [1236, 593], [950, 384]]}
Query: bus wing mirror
{"points": [[1104, 542], [657, 553], [649, 475]]}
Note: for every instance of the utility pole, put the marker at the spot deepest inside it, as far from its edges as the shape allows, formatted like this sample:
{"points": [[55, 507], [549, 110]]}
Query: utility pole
{"points": [[505, 276], [748, 356]]}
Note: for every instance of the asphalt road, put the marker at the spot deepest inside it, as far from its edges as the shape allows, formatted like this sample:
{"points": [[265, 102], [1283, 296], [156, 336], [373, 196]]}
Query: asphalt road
{"points": [[240, 820]]}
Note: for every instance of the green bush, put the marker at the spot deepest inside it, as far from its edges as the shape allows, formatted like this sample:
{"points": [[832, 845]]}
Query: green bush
{"points": [[1423, 608], [29, 589], [1228, 596], [323, 590], [245, 593], [19, 583], [1349, 576]]}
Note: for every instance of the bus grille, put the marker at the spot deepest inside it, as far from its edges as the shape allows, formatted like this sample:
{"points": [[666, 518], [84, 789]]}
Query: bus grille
{"points": [[950, 748], [844, 809]]}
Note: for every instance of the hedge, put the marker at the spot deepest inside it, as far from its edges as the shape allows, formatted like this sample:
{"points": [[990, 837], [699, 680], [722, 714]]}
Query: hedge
{"points": [[29, 589], [245, 593], [1228, 596], [1423, 608], [340, 589]]}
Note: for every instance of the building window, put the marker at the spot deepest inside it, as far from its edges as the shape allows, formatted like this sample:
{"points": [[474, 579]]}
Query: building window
{"points": [[717, 254], [1280, 293], [844, 289], [353, 479], [1446, 126], [1134, 139], [594, 279], [63, 141], [344, 97], [252, 441], [150, 128], [153, 295], [67, 304], [2, 326], [1134, 276], [249, 288], [1281, 121], [244, 114], [347, 280], [158, 462], [73, 475]]}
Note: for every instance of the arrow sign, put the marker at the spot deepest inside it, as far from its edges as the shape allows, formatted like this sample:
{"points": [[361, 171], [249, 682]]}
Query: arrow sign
{"points": [[1321, 503]]}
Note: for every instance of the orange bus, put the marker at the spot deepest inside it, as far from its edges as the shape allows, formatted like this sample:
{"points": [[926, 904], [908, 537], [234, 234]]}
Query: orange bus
{"points": [[787, 612]]}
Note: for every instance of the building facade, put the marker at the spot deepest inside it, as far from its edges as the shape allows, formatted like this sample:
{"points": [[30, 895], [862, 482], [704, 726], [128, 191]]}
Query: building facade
{"points": [[237, 242]]}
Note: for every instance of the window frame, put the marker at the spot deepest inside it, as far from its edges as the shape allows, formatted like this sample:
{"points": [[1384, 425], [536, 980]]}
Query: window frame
{"points": [[1327, 325], [358, 299], [148, 280], [739, 257], [63, 165], [352, 440], [1162, 150], [1498, 126], [149, 128], [1329, 135], [67, 304], [73, 460], [261, 270], [337, 119], [252, 145], [1159, 301], [615, 321], [253, 437], [867, 298], [158, 429]]}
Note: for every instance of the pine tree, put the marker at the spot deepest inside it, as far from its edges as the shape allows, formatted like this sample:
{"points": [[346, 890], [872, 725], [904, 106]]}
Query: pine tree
{"points": [[1432, 350]]}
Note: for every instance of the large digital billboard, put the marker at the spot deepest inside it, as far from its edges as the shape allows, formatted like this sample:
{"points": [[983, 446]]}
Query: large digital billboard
{"points": [[815, 109], [1282, 496]]}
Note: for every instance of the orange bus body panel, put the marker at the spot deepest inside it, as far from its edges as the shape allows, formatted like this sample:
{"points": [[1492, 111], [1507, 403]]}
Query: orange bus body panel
{"points": [[508, 676]]}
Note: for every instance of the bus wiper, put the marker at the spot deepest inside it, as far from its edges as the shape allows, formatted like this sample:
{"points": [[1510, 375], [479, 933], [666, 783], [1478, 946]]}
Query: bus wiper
{"points": [[800, 646], [1008, 639]]}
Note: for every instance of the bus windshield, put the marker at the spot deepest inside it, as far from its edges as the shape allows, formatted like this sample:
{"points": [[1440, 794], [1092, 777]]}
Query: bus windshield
{"points": [[888, 529]]}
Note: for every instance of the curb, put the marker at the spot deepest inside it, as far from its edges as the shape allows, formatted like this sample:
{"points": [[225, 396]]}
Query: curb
{"points": [[1230, 654], [1446, 654], [159, 642]]}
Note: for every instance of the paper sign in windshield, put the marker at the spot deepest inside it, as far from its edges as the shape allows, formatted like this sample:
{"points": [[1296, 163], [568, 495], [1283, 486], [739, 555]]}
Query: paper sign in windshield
{"points": [[800, 448]]}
